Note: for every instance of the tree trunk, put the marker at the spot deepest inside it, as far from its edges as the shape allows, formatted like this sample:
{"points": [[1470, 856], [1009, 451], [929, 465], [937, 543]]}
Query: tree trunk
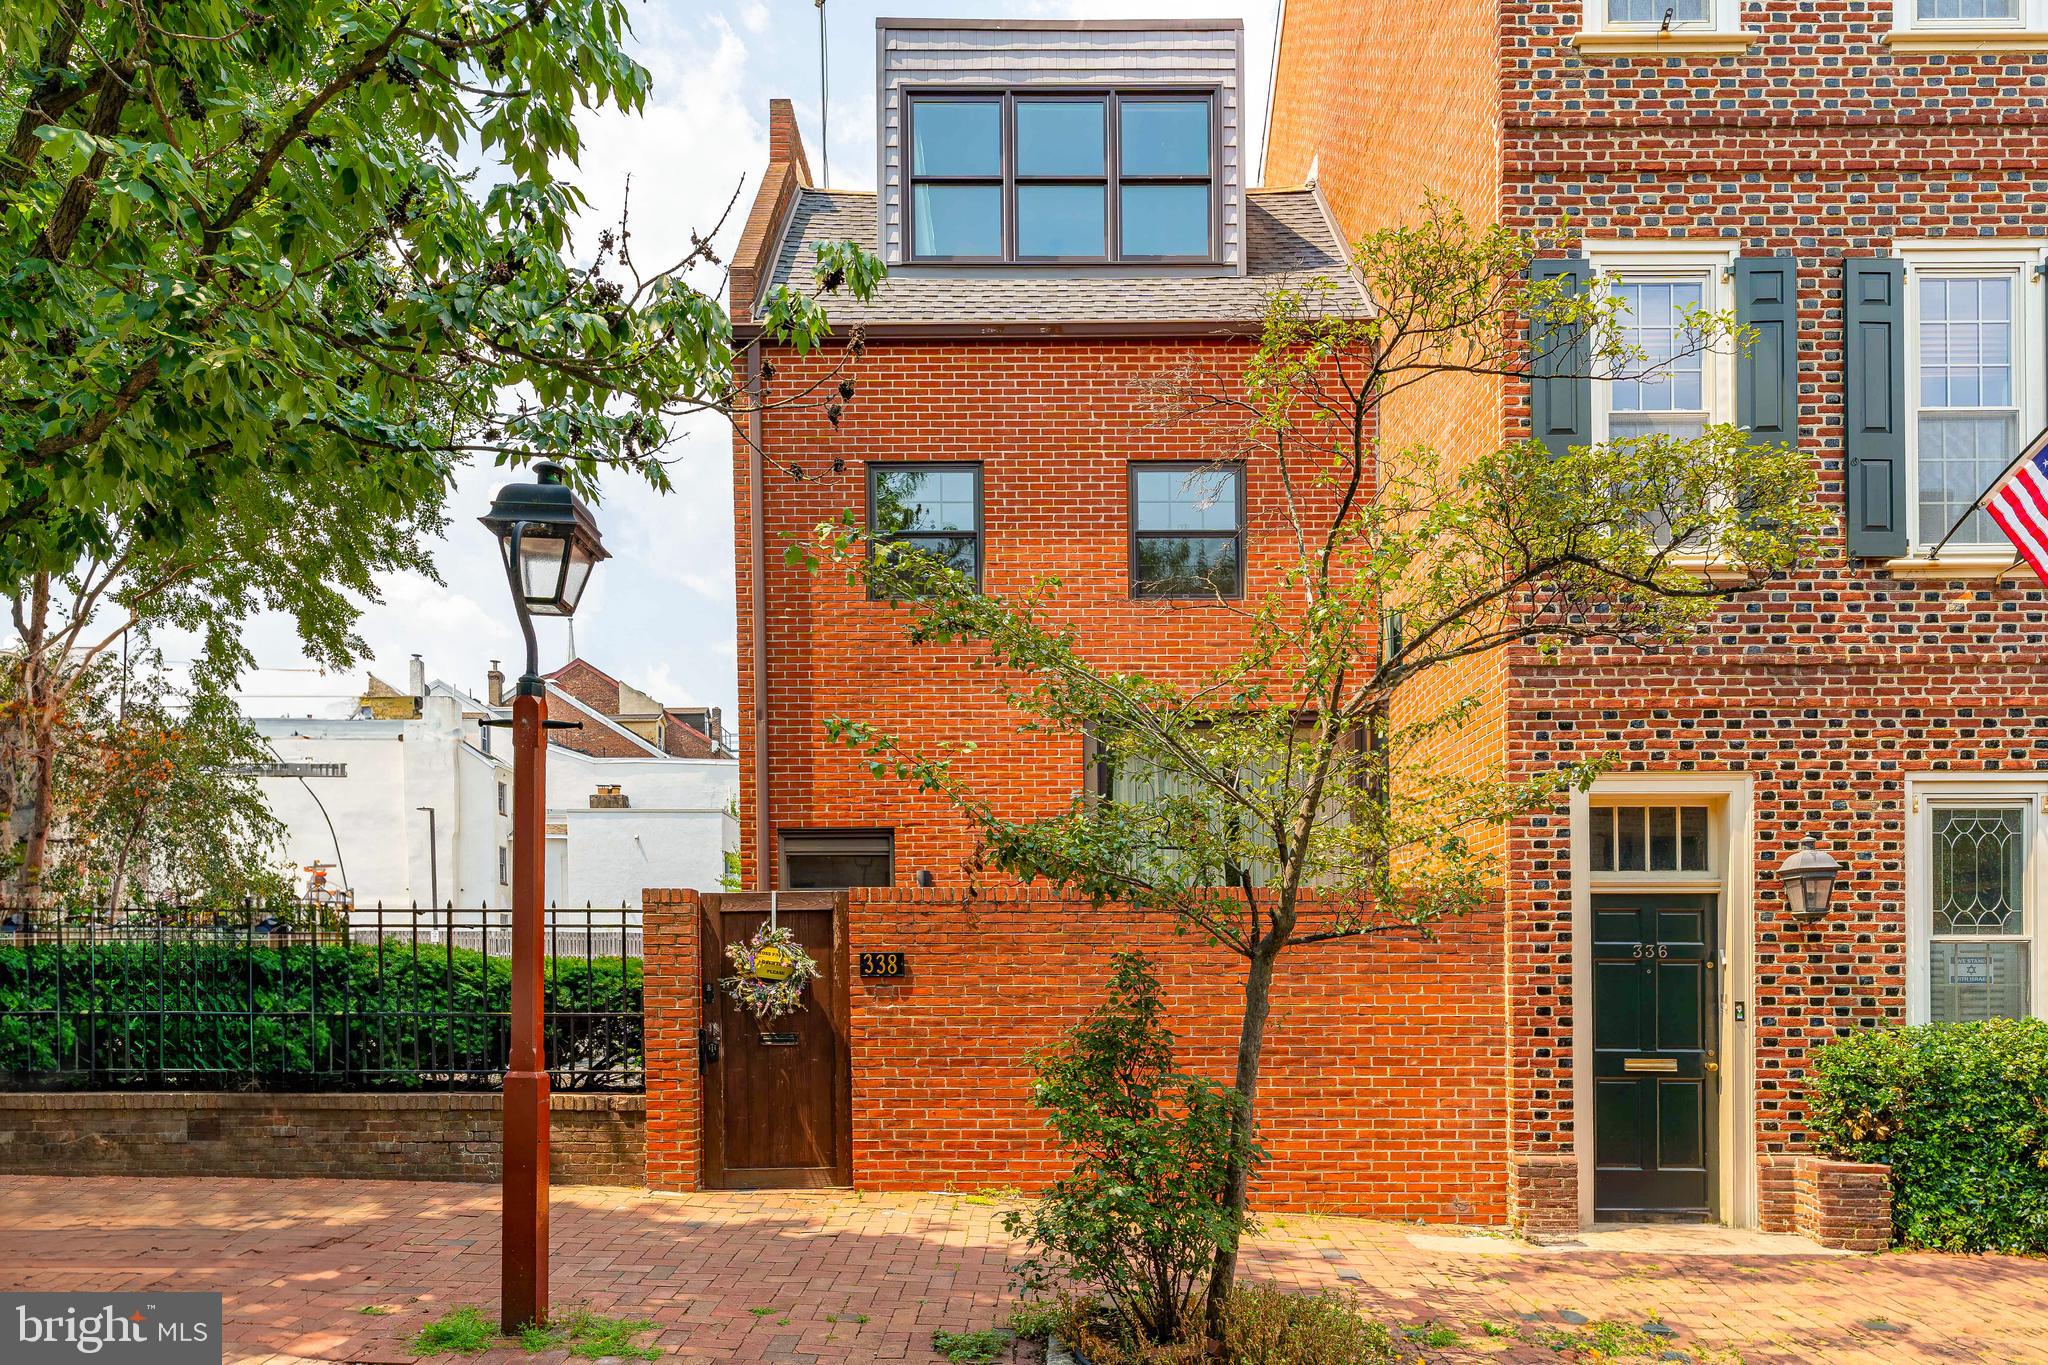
{"points": [[116, 882], [1251, 1046], [31, 760]]}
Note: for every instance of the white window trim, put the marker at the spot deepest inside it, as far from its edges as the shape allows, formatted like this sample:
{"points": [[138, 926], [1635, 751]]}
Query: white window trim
{"points": [[1735, 852], [1717, 839], [1923, 796], [1713, 264], [2026, 257], [2028, 31], [1721, 33]]}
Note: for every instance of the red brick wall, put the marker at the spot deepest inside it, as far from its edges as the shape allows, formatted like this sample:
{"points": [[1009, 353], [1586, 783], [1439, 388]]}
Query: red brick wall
{"points": [[671, 1014], [1055, 425], [1382, 1087], [1831, 688], [1823, 142], [1388, 104]]}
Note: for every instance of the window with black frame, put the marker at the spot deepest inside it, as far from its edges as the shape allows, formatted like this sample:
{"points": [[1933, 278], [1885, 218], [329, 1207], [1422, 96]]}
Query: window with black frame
{"points": [[931, 508], [1187, 530], [1164, 178], [1069, 177], [956, 178]]}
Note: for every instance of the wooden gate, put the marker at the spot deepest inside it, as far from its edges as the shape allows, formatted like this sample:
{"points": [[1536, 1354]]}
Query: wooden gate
{"points": [[777, 1095]]}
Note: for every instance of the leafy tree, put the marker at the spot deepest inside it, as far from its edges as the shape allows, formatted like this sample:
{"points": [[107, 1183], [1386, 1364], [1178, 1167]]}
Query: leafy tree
{"points": [[153, 800], [1290, 795], [253, 284], [1140, 1215]]}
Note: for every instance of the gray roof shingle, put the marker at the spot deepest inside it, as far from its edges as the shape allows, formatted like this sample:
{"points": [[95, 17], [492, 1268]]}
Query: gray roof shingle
{"points": [[1289, 240]]}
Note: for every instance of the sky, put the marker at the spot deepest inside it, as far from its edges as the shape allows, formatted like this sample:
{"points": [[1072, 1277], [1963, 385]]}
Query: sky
{"points": [[660, 613]]}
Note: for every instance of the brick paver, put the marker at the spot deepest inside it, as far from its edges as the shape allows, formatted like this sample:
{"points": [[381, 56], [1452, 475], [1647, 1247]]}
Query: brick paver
{"points": [[849, 1277]]}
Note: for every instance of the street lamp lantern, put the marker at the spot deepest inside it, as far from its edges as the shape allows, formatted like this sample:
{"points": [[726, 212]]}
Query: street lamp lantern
{"points": [[1809, 878], [550, 544], [549, 541]]}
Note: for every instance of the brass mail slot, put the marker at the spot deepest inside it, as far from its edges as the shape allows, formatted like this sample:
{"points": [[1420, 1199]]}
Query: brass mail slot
{"points": [[1649, 1064], [778, 1040]]}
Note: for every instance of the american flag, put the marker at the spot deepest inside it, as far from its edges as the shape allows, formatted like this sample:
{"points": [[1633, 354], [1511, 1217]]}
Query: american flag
{"points": [[2020, 505]]}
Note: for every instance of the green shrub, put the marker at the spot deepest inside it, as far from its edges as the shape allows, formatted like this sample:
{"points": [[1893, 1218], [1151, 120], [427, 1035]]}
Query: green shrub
{"points": [[1960, 1114], [1139, 1217], [188, 1009]]}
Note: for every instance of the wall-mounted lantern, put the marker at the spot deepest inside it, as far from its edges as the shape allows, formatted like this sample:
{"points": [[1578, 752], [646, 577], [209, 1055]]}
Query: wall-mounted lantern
{"points": [[1809, 878]]}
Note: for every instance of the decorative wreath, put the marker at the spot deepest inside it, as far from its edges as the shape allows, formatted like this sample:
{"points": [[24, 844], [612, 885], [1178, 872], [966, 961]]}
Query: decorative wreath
{"points": [[770, 972]]}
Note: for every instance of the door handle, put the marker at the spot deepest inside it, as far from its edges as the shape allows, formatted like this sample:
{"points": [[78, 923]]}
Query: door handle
{"points": [[1712, 1067], [707, 1047]]}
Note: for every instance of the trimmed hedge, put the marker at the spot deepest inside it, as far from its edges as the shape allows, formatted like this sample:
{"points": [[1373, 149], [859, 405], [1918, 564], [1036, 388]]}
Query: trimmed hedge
{"points": [[191, 1012], [1960, 1114]]}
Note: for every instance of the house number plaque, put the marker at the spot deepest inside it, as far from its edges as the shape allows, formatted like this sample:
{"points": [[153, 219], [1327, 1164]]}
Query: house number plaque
{"points": [[884, 965]]}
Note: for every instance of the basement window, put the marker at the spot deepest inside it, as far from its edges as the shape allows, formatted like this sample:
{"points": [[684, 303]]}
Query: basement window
{"points": [[831, 860]]}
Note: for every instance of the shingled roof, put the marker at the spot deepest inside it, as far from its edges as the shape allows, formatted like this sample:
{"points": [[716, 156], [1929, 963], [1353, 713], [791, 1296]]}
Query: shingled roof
{"points": [[1289, 240]]}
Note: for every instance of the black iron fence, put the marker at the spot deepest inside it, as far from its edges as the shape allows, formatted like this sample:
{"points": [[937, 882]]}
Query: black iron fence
{"points": [[363, 999]]}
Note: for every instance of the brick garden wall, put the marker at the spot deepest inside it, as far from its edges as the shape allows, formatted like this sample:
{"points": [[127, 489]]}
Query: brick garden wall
{"points": [[594, 1139], [1381, 1095]]}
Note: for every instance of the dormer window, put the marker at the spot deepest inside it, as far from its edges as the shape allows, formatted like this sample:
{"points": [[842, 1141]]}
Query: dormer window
{"points": [[1082, 176]]}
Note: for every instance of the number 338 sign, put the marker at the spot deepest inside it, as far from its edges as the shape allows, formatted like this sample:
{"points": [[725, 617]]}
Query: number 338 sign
{"points": [[884, 965]]}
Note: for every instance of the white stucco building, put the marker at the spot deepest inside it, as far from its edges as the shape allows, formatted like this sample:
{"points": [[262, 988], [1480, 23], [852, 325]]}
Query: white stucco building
{"points": [[408, 798]]}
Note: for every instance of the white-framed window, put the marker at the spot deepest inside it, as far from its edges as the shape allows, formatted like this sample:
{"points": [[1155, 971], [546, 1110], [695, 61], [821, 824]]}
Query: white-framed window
{"points": [[1661, 287], [1653, 839], [504, 865], [1969, 16], [1647, 17], [1974, 381], [1975, 877]]}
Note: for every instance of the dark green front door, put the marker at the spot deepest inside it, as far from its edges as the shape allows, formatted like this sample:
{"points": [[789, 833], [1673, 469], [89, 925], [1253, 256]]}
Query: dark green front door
{"points": [[1655, 1067]]}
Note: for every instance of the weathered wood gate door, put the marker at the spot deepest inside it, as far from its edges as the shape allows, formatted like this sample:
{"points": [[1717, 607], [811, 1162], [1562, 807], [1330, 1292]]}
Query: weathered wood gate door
{"points": [[777, 1095]]}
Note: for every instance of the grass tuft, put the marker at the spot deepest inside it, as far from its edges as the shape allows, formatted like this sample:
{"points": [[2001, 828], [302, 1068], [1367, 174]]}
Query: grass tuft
{"points": [[971, 1348], [460, 1331]]}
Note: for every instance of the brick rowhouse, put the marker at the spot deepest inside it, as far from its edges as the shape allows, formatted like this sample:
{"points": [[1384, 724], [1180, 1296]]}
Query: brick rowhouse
{"points": [[1381, 1092], [1886, 705]]}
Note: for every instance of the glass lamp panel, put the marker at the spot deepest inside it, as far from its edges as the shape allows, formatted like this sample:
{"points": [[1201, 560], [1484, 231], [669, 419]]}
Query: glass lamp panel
{"points": [[1810, 894], [577, 576], [540, 571]]}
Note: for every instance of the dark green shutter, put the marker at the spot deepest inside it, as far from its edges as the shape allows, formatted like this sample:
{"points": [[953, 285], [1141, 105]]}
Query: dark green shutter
{"points": [[1560, 378], [1767, 374], [1874, 315]]}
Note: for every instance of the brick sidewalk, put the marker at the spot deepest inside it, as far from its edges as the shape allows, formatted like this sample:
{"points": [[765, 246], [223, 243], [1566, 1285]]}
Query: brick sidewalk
{"points": [[298, 1260]]}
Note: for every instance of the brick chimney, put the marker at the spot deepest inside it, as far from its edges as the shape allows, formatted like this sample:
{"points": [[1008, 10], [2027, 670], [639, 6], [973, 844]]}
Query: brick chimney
{"points": [[789, 170], [494, 685]]}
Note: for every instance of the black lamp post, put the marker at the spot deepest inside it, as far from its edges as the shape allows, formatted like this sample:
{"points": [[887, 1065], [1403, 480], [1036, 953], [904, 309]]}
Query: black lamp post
{"points": [[550, 544], [1809, 878]]}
